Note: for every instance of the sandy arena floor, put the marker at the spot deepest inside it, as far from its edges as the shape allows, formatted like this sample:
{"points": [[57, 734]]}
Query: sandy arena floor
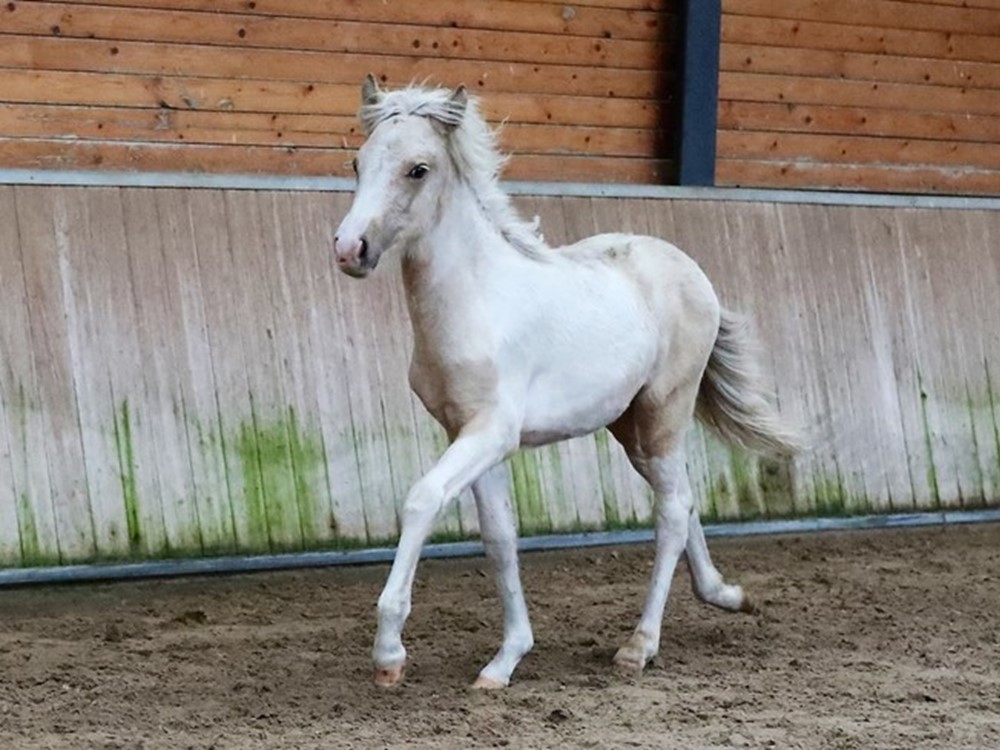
{"points": [[867, 640]]}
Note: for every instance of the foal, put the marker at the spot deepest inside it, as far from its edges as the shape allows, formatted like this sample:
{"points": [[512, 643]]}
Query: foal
{"points": [[518, 344]]}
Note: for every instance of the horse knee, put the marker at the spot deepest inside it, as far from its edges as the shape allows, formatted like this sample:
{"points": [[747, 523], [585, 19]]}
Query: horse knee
{"points": [[424, 501]]}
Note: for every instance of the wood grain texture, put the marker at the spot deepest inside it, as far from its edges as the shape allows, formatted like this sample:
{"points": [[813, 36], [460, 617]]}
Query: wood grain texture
{"points": [[890, 95], [601, 20], [124, 78], [131, 157], [859, 36], [52, 439], [346, 36], [838, 92], [857, 177], [937, 127], [888, 14], [305, 66], [774, 60], [268, 405]]}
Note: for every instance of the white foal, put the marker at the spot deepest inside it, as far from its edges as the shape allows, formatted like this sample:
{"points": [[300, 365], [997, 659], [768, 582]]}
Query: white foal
{"points": [[518, 344]]}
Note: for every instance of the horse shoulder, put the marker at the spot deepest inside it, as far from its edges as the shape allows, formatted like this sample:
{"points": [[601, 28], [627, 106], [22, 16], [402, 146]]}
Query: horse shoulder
{"points": [[454, 392]]}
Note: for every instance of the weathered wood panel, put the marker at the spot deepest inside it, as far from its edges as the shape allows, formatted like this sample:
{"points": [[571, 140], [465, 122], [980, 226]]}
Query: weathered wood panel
{"points": [[887, 95], [270, 87], [184, 372]]}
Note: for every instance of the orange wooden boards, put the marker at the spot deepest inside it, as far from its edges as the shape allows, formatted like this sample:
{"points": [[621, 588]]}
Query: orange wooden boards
{"points": [[884, 95], [267, 87]]}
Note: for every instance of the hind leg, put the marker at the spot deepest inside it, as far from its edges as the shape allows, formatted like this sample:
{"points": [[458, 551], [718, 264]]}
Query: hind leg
{"points": [[673, 510], [706, 581]]}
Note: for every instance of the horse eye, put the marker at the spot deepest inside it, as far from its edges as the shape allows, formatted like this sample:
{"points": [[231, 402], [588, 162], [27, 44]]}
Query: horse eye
{"points": [[418, 172]]}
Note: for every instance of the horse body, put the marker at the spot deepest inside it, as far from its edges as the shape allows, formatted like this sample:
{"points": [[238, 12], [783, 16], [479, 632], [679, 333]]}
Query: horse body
{"points": [[517, 344], [524, 325]]}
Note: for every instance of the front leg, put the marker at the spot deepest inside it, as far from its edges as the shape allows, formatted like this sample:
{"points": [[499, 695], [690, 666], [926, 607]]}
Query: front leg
{"points": [[499, 532], [478, 448]]}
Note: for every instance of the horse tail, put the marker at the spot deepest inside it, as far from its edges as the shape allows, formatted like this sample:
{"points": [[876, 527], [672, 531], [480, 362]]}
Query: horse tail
{"points": [[732, 400]]}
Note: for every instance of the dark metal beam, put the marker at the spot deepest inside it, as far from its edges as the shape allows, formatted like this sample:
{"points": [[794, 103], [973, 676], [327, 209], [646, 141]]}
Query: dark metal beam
{"points": [[700, 25]]}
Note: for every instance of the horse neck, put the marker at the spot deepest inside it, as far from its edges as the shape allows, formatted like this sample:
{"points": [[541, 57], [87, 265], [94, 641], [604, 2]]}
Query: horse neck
{"points": [[446, 272], [461, 248]]}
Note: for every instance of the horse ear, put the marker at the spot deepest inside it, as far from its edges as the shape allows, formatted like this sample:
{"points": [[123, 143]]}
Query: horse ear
{"points": [[459, 98], [455, 106], [370, 91]]}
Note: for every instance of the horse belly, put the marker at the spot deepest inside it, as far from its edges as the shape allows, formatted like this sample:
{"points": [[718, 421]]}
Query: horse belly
{"points": [[569, 402]]}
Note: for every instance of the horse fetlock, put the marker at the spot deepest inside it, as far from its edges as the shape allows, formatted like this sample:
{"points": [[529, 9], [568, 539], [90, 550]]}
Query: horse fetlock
{"points": [[392, 613], [522, 644], [722, 595], [497, 673], [388, 652]]}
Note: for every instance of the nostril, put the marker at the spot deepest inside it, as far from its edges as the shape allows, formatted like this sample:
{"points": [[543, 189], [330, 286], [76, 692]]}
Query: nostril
{"points": [[364, 249]]}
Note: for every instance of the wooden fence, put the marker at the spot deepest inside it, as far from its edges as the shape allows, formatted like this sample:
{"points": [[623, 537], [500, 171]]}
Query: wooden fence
{"points": [[884, 95], [232, 86], [182, 372]]}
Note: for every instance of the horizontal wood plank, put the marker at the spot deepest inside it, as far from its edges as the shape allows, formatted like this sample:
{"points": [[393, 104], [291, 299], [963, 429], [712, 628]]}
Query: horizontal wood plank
{"points": [[148, 157], [257, 129], [279, 81], [829, 95], [815, 118], [504, 15], [652, 5], [205, 61], [207, 94], [836, 92], [857, 150], [749, 58], [778, 32], [993, 4], [886, 14], [861, 177], [109, 23]]}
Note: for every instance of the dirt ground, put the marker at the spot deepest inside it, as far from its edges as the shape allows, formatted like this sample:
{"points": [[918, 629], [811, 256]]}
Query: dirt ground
{"points": [[867, 640]]}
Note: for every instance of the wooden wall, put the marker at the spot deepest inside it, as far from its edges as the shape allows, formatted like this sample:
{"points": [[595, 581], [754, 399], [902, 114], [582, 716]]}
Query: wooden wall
{"points": [[183, 372], [885, 95], [272, 86]]}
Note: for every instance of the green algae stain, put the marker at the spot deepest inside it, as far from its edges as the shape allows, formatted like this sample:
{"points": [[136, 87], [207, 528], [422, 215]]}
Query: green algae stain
{"points": [[27, 526], [531, 509], [979, 478], [567, 509], [776, 488], [31, 548], [612, 517], [932, 477], [711, 490], [128, 474], [741, 465], [995, 420], [283, 468], [253, 487]]}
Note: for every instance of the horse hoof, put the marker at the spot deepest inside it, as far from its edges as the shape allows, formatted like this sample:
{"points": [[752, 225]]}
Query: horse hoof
{"points": [[749, 606], [389, 677], [628, 663], [485, 683]]}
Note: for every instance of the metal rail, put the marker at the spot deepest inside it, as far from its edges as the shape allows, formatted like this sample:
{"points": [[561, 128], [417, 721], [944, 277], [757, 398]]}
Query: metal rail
{"points": [[565, 189], [297, 560]]}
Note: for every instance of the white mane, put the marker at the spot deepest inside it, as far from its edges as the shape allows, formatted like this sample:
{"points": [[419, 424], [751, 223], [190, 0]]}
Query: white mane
{"points": [[472, 145]]}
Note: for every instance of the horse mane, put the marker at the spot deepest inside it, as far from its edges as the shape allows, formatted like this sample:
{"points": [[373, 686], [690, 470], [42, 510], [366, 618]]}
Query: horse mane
{"points": [[472, 144]]}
